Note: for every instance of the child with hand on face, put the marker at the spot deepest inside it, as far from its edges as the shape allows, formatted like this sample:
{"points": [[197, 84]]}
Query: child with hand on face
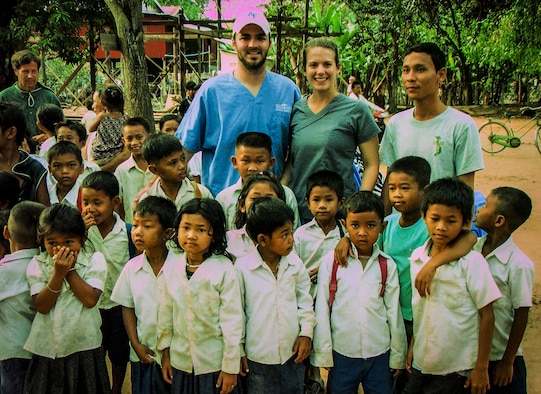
{"points": [[66, 283], [201, 321]]}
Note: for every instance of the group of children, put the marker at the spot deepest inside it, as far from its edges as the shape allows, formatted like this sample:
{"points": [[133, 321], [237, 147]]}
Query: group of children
{"points": [[205, 290]]}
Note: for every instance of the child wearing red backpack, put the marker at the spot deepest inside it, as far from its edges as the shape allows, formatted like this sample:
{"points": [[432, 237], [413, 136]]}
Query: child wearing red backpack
{"points": [[363, 340]]}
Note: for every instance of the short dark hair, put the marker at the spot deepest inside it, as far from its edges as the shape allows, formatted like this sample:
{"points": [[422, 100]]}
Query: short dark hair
{"points": [[355, 83], [63, 219], [23, 222], [436, 54], [322, 42], [414, 166], [9, 184], [137, 121], [262, 177], [365, 201], [167, 118], [64, 148], [160, 145], [4, 243], [514, 204], [325, 178], [23, 57], [49, 115], [112, 98], [450, 192], [265, 215], [12, 115], [212, 211], [190, 85], [162, 207], [78, 127], [255, 139], [102, 181]]}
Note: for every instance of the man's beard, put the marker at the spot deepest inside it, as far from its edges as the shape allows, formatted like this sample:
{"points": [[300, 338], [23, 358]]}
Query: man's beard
{"points": [[253, 66]]}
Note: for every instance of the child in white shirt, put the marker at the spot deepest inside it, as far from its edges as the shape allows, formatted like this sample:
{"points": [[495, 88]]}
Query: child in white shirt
{"points": [[201, 321]]}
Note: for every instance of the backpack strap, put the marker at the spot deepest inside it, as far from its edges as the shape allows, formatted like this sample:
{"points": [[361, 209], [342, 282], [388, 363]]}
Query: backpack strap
{"points": [[333, 284], [131, 245], [197, 191], [383, 268]]}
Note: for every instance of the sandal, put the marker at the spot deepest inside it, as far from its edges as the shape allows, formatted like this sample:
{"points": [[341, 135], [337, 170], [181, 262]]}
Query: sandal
{"points": [[314, 386]]}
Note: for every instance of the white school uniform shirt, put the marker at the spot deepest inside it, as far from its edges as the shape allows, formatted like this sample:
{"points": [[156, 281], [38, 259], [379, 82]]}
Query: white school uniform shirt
{"points": [[186, 192], [514, 274], [69, 327], [362, 324], [446, 322], [201, 318], [69, 199], [229, 196], [16, 306], [138, 288], [131, 180], [311, 244], [278, 310], [239, 243], [115, 249]]}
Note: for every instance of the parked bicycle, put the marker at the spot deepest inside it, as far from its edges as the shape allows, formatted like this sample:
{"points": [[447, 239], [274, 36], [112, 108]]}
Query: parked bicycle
{"points": [[497, 135]]}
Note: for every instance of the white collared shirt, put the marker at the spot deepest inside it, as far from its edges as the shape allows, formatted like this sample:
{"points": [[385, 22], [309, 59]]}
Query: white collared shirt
{"points": [[71, 197], [311, 244], [185, 193], [514, 274], [131, 180], [115, 249], [446, 322], [229, 196], [201, 318], [138, 288], [278, 309], [69, 326], [16, 306], [362, 324], [239, 243]]}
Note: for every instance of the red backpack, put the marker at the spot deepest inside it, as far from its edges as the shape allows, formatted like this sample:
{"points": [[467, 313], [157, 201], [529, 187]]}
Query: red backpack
{"points": [[333, 284]]}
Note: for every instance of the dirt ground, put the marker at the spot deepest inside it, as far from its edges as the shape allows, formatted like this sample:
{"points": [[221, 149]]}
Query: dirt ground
{"points": [[519, 168]]}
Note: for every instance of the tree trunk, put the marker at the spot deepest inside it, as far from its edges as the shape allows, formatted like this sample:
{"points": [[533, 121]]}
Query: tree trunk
{"points": [[129, 24]]}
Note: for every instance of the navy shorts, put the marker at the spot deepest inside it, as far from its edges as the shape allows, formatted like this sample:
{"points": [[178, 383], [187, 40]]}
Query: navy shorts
{"points": [[115, 339]]}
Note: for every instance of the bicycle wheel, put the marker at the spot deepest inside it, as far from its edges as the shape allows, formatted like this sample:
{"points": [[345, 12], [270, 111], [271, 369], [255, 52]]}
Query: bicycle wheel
{"points": [[489, 133], [537, 137]]}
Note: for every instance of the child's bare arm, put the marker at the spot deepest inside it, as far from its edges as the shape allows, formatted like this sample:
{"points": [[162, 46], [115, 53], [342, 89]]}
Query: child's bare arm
{"points": [[167, 369], [455, 250], [87, 294], [342, 250], [478, 380], [302, 348], [503, 371], [143, 352]]}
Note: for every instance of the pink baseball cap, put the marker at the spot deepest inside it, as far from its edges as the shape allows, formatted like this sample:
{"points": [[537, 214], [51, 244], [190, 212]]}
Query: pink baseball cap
{"points": [[248, 17]]}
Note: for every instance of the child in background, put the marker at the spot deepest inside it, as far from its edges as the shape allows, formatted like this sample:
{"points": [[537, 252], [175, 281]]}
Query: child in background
{"points": [[367, 298], [263, 184], [65, 165], [75, 132], [201, 321], [139, 289], [457, 314], [313, 240], [16, 306], [253, 154], [48, 115], [168, 123], [133, 174], [107, 234], [165, 158], [107, 142], [506, 209], [275, 289], [9, 184], [66, 283]]}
